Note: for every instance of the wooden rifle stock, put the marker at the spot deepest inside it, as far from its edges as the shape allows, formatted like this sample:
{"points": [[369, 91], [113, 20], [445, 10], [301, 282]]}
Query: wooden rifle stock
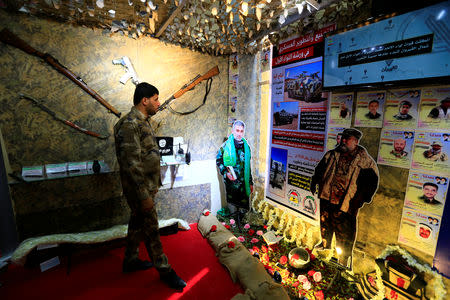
{"points": [[10, 38], [211, 73]]}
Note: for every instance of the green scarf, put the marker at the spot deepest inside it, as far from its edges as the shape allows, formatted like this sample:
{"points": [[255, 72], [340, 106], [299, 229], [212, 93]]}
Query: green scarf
{"points": [[229, 159]]}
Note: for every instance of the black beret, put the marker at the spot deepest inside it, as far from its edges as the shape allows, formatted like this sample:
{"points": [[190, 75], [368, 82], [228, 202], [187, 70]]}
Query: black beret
{"points": [[351, 132]]}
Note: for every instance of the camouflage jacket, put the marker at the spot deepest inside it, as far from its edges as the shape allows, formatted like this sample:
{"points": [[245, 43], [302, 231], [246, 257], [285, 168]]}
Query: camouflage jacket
{"points": [[138, 155]]}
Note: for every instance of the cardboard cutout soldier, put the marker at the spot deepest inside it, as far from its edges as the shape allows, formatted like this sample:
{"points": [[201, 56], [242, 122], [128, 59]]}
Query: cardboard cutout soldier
{"points": [[347, 177]]}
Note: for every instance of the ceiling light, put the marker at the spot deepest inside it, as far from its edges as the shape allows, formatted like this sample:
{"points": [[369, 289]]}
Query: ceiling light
{"points": [[244, 8]]}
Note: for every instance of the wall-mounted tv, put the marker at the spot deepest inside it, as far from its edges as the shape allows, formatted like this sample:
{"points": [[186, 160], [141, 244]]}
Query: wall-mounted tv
{"points": [[415, 45]]}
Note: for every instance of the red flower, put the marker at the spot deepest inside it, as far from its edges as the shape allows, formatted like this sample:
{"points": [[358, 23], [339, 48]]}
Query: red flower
{"points": [[227, 226], [312, 257], [213, 228], [231, 244], [309, 251], [295, 256], [207, 213], [256, 249], [296, 284], [251, 232], [265, 226], [311, 273], [283, 260], [264, 249], [319, 295]]}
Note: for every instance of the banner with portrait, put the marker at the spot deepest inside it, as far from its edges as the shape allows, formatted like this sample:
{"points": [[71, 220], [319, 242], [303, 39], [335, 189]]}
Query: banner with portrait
{"points": [[369, 109], [431, 150], [401, 109], [341, 106], [396, 148], [434, 109]]}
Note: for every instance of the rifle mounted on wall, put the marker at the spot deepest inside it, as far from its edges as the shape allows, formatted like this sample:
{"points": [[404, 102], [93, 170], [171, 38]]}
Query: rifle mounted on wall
{"points": [[187, 87], [10, 38]]}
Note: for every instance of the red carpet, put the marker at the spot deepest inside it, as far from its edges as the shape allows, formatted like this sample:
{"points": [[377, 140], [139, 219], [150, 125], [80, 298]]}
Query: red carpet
{"points": [[98, 275]]}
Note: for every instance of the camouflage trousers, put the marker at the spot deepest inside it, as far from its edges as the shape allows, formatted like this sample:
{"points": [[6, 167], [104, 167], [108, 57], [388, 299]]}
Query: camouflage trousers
{"points": [[343, 225], [143, 226]]}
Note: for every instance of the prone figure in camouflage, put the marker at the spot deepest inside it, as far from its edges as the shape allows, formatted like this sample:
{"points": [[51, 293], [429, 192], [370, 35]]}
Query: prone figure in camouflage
{"points": [[139, 161]]}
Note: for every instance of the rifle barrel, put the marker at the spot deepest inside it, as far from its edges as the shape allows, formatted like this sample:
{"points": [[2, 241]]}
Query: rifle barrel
{"points": [[10, 38]]}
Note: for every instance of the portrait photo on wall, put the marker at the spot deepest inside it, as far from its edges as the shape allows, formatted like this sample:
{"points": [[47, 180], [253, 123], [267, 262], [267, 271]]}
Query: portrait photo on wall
{"points": [[334, 136], [426, 192], [401, 109], [369, 109], [304, 83], [431, 151], [434, 109], [234, 64], [396, 148], [285, 115], [265, 60], [341, 106], [345, 179], [232, 104], [419, 230], [278, 167]]}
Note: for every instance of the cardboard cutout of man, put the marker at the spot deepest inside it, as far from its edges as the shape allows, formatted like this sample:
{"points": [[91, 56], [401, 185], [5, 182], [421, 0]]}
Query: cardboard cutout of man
{"points": [[233, 161], [347, 177]]}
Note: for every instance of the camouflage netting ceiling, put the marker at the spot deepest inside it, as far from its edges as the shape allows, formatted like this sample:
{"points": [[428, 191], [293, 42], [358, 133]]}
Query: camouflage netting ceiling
{"points": [[209, 26]]}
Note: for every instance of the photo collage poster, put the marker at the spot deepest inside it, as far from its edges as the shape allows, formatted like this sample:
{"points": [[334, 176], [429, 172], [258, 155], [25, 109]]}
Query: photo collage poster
{"points": [[233, 88], [298, 136], [415, 136]]}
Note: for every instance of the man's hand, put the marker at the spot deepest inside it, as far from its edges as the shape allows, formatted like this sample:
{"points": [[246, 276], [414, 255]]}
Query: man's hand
{"points": [[230, 177], [148, 204]]}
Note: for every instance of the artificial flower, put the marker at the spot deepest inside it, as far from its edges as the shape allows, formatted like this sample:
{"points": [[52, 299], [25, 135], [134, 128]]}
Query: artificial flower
{"points": [[231, 244], [296, 284], [241, 239], [302, 278], [317, 276], [251, 232], [247, 226], [232, 221], [206, 213], [283, 260], [307, 285], [251, 251], [213, 228], [311, 273], [264, 249], [254, 240], [255, 249], [319, 295], [265, 226], [259, 232], [223, 223], [227, 226]]}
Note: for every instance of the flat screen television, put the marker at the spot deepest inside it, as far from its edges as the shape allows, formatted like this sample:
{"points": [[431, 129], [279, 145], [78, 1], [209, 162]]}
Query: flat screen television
{"points": [[415, 45]]}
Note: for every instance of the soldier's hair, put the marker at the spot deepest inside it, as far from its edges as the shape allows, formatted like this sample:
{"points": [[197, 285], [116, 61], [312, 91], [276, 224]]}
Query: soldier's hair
{"points": [[144, 89], [376, 101], [430, 184], [405, 102], [238, 123]]}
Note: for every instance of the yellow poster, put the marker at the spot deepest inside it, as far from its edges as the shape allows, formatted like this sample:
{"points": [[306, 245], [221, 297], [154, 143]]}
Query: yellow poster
{"points": [[435, 108], [396, 148], [341, 106], [419, 230], [369, 109], [431, 150], [401, 109]]}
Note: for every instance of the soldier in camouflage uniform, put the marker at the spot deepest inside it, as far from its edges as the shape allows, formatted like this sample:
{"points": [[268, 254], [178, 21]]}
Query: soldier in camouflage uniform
{"points": [[347, 177], [138, 156], [235, 152]]}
